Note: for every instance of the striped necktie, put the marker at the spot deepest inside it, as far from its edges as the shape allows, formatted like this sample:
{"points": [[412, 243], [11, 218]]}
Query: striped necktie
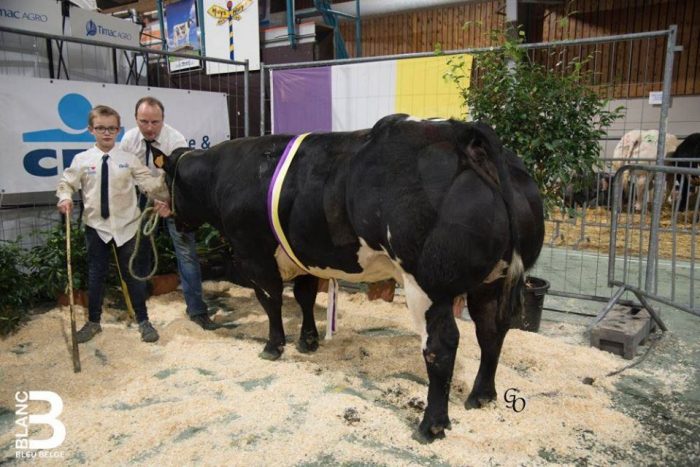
{"points": [[104, 188]]}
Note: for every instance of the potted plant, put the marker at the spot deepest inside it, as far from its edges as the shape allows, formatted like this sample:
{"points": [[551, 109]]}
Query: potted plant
{"points": [[214, 253], [48, 268], [547, 114], [15, 291]]}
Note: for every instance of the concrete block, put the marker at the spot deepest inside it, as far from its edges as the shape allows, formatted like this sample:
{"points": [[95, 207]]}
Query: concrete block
{"points": [[621, 331]]}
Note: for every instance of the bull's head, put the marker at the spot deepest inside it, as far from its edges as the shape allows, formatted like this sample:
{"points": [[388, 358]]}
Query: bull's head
{"points": [[178, 187]]}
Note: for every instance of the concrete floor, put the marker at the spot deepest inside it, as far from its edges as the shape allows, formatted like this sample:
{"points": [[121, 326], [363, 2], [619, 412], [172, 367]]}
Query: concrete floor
{"points": [[664, 395]]}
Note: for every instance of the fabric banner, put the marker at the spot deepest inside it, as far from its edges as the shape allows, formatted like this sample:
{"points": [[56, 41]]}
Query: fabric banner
{"points": [[44, 123], [304, 98], [232, 32], [354, 96], [32, 15], [86, 24]]}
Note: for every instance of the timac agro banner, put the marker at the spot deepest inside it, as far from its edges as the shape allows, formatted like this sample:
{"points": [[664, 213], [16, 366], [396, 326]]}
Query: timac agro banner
{"points": [[43, 124], [352, 97], [86, 24], [32, 15]]}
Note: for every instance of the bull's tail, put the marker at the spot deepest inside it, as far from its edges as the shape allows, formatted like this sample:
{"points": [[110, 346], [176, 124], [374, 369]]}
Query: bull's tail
{"points": [[512, 301], [512, 298], [486, 156]]}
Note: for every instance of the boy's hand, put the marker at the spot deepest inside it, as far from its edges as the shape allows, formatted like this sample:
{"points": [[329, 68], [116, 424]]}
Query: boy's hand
{"points": [[65, 206], [163, 209]]}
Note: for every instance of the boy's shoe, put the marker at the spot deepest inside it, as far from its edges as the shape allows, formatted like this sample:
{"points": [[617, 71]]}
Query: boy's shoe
{"points": [[87, 332], [148, 332]]}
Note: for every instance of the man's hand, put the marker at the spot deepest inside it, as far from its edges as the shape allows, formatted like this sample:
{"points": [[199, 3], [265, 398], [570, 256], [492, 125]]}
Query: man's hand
{"points": [[65, 206], [161, 208]]}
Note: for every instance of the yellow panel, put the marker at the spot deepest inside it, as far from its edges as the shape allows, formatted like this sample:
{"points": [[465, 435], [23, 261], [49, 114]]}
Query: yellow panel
{"points": [[421, 90]]}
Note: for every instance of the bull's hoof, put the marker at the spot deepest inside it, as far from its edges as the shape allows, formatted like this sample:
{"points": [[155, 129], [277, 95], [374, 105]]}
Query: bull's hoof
{"points": [[307, 344], [477, 401], [428, 432], [271, 352]]}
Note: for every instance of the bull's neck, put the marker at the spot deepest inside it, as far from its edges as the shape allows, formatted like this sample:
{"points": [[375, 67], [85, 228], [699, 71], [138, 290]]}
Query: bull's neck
{"points": [[192, 198]]}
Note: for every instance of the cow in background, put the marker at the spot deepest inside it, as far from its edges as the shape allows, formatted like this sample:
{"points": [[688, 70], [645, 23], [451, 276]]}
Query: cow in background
{"points": [[639, 147], [682, 187], [594, 193], [440, 207]]}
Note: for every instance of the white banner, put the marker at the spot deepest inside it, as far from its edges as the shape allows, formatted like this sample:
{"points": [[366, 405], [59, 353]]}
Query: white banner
{"points": [[232, 32], [32, 15], [43, 124], [86, 24]]}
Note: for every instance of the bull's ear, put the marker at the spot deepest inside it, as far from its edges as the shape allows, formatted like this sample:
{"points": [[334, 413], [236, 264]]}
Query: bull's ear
{"points": [[159, 157]]}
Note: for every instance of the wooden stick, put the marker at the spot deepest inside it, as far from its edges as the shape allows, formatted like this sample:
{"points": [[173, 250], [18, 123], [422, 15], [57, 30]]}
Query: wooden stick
{"points": [[74, 341]]}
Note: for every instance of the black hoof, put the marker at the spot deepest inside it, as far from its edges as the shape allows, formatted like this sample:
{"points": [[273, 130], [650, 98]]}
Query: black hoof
{"points": [[271, 352], [477, 401], [427, 434], [430, 431], [307, 345]]}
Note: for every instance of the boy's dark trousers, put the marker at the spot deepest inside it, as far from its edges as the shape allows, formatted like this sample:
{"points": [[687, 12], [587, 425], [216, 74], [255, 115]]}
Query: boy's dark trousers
{"points": [[99, 253]]}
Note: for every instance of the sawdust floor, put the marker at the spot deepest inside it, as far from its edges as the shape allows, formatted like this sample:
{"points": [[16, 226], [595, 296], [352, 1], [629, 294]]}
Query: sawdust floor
{"points": [[206, 398], [675, 239]]}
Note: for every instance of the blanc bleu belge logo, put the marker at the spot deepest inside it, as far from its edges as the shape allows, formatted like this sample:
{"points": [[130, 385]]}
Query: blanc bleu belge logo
{"points": [[90, 28], [26, 444]]}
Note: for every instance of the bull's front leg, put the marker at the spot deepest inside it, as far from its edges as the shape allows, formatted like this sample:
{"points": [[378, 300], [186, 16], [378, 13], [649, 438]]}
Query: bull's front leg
{"points": [[267, 284], [439, 355], [272, 303]]}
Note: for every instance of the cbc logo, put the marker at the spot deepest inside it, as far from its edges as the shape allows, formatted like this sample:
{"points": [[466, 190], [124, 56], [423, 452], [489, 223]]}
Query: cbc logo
{"points": [[24, 420]]}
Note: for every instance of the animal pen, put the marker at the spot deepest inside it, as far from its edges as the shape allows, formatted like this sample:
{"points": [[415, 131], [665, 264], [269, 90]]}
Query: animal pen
{"points": [[594, 252]]}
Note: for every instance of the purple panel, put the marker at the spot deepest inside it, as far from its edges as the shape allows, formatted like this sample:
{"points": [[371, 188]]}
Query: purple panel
{"points": [[302, 100]]}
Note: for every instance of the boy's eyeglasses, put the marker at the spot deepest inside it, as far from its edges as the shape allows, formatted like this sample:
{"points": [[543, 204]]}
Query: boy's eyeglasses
{"points": [[106, 129]]}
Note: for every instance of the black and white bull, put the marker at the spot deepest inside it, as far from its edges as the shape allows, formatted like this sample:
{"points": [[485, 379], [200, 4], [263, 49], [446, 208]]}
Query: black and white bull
{"points": [[440, 207], [683, 187]]}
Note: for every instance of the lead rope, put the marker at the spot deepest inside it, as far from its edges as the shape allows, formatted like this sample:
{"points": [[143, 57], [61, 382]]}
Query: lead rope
{"points": [[149, 219], [149, 226]]}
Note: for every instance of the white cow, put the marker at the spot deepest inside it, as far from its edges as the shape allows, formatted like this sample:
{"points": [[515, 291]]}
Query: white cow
{"points": [[639, 147]]}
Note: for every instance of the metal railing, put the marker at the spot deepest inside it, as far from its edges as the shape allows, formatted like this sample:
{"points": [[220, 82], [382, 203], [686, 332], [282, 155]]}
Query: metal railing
{"points": [[641, 243]]}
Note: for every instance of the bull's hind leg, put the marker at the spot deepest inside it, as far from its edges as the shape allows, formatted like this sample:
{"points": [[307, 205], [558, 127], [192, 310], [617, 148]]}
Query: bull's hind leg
{"points": [[305, 290], [490, 332], [439, 355]]}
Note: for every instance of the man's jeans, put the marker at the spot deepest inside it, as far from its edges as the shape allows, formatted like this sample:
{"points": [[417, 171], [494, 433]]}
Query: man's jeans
{"points": [[98, 253], [188, 267]]}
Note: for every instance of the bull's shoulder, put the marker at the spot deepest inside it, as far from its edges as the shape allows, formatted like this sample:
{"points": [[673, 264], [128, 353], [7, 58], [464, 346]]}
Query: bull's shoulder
{"points": [[386, 123]]}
